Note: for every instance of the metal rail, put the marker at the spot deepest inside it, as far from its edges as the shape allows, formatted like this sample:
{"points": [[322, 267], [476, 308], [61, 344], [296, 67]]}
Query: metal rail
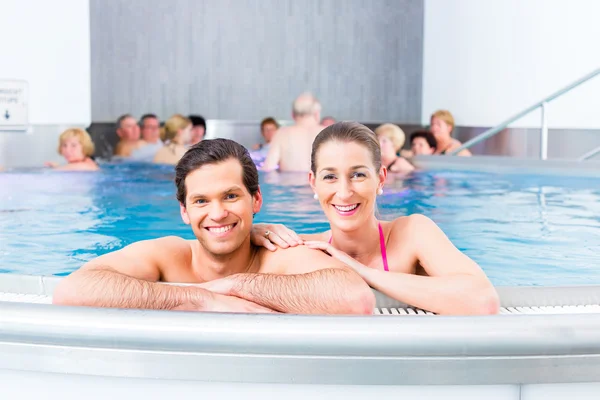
{"points": [[544, 130]]}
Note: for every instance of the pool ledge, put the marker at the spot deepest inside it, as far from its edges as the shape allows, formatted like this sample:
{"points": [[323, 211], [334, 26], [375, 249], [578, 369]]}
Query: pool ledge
{"points": [[510, 165], [300, 349]]}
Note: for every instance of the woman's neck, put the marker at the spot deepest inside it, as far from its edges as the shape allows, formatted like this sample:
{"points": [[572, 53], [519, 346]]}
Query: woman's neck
{"points": [[361, 244], [84, 159], [444, 143]]}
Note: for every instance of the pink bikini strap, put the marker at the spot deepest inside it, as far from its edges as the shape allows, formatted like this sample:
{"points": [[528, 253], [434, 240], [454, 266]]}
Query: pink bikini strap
{"points": [[382, 246]]}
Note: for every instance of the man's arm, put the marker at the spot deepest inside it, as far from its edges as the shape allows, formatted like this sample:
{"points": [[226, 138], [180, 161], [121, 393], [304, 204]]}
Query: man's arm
{"points": [[305, 281], [127, 278]]}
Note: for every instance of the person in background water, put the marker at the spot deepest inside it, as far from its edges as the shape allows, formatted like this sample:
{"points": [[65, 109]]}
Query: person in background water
{"points": [[176, 136], [422, 143], [268, 128], [391, 139], [151, 143], [198, 128], [76, 146], [129, 136], [326, 121], [290, 148], [442, 125], [409, 258], [218, 192]]}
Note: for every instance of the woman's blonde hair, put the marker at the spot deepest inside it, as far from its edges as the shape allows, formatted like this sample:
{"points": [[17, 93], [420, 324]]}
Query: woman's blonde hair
{"points": [[445, 116], [173, 125], [392, 132], [84, 138]]}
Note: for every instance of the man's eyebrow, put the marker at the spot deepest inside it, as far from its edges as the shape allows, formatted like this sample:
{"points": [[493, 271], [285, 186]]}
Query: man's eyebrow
{"points": [[234, 188]]}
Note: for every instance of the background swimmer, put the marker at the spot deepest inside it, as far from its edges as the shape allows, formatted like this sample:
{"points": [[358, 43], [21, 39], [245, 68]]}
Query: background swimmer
{"points": [[76, 146]]}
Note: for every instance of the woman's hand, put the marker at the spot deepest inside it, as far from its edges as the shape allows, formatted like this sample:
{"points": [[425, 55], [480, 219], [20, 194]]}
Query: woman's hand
{"points": [[361, 269], [272, 236], [50, 164]]}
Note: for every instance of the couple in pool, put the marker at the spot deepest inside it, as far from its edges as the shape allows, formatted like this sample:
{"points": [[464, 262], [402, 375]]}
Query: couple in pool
{"points": [[234, 266]]}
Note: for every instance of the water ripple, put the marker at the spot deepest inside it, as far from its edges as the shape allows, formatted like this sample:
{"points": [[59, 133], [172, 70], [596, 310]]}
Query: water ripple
{"points": [[522, 229]]}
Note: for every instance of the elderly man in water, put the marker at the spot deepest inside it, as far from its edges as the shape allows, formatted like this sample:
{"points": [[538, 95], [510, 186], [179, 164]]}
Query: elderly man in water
{"points": [[291, 146], [218, 193]]}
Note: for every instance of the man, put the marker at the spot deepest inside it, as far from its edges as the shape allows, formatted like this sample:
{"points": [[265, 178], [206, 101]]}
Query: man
{"points": [[150, 143], [218, 191], [129, 136], [290, 148], [422, 143], [198, 128]]}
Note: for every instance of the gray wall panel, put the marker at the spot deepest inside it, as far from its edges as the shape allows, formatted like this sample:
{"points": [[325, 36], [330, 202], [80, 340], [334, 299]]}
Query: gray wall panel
{"points": [[247, 59]]}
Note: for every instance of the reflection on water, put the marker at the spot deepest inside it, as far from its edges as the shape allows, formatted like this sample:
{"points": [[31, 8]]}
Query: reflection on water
{"points": [[523, 230]]}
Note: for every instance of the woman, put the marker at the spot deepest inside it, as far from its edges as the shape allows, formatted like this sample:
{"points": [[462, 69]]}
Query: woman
{"points": [[442, 124], [76, 146], [176, 134], [391, 139], [409, 259], [422, 143]]}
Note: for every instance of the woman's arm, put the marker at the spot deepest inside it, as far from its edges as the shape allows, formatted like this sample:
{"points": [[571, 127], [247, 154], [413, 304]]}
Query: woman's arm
{"points": [[454, 284]]}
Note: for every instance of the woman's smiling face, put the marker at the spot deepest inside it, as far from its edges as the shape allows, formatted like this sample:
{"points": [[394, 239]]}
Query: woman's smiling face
{"points": [[346, 182]]}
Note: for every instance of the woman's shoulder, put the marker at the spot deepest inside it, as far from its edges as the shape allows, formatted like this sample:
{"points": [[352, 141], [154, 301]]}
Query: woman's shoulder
{"points": [[161, 155], [91, 164], [408, 223], [455, 145], [402, 165]]}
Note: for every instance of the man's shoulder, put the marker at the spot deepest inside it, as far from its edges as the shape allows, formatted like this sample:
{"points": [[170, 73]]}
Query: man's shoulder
{"points": [[283, 132], [163, 244]]}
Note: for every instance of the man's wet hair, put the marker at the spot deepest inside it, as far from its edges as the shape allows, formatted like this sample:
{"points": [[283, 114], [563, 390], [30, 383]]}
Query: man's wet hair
{"points": [[215, 151]]}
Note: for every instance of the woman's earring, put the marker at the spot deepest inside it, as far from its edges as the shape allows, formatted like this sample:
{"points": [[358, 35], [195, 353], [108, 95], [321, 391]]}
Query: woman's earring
{"points": [[316, 197], [380, 191]]}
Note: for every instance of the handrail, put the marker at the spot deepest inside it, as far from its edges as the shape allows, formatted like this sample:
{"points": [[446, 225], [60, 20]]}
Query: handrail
{"points": [[491, 132], [589, 154]]}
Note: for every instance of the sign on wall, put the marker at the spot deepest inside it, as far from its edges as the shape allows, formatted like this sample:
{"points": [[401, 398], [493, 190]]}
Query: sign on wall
{"points": [[13, 105]]}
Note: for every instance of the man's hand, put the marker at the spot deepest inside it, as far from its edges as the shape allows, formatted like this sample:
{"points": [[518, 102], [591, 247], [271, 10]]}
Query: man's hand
{"points": [[234, 304], [223, 286]]}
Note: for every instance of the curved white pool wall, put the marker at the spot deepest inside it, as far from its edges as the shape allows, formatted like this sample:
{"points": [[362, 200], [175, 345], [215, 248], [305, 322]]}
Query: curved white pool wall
{"points": [[66, 351]]}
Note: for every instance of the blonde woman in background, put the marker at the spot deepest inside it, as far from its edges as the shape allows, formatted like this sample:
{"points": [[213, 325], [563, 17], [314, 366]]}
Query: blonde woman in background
{"points": [[442, 125], [176, 134], [391, 139], [76, 146]]}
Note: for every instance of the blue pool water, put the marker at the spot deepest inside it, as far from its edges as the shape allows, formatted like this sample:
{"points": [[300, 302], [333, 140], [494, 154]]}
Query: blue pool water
{"points": [[522, 229]]}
